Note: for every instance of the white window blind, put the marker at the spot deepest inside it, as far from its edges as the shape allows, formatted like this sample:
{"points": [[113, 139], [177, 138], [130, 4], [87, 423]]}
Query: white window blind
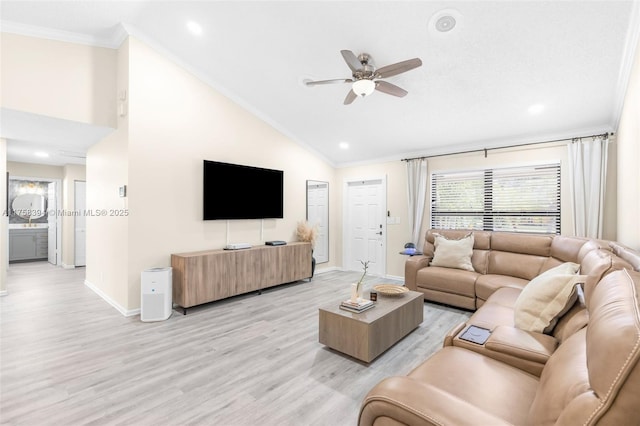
{"points": [[515, 199]]}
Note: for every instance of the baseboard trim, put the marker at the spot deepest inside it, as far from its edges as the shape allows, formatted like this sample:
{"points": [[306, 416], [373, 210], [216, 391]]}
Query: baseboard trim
{"points": [[394, 277], [335, 268], [109, 300], [65, 266], [327, 269], [3, 293]]}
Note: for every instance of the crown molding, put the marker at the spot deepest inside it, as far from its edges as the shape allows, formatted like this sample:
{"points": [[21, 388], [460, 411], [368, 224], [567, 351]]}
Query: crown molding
{"points": [[113, 42], [628, 59]]}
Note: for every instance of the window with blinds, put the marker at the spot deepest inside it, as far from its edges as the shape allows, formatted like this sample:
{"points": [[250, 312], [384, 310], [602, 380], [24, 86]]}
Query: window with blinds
{"points": [[516, 199]]}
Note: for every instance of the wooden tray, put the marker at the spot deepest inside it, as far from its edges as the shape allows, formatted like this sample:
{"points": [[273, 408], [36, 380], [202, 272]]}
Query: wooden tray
{"points": [[390, 289]]}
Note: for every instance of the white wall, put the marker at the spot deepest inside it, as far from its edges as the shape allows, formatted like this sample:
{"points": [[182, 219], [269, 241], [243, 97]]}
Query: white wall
{"points": [[58, 79], [107, 236], [176, 121], [629, 162], [34, 170]]}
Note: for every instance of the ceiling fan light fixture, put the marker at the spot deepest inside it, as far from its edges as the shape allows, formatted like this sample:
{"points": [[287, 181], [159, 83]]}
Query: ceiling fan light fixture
{"points": [[363, 87]]}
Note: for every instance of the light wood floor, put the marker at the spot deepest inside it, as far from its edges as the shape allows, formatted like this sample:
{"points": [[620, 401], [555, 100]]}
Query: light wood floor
{"points": [[68, 358]]}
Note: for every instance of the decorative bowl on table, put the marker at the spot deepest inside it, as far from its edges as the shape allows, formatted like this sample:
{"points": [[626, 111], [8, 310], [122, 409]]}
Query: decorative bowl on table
{"points": [[390, 289]]}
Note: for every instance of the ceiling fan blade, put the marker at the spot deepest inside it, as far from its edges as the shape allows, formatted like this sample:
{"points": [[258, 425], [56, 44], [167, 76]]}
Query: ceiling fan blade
{"points": [[398, 68], [351, 96], [351, 60], [390, 89], [333, 81]]}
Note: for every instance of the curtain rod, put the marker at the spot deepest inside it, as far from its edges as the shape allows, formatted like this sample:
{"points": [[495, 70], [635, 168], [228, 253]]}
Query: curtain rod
{"points": [[485, 150]]}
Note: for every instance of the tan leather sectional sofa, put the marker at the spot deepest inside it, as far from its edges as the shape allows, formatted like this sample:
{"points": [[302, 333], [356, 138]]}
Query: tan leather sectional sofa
{"points": [[585, 371]]}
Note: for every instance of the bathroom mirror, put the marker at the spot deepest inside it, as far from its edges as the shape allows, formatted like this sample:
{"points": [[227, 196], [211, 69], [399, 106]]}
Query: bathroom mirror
{"points": [[318, 214], [29, 206]]}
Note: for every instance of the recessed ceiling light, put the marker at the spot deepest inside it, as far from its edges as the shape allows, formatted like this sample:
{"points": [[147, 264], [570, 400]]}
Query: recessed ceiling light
{"points": [[536, 109], [195, 28], [41, 154], [344, 145]]}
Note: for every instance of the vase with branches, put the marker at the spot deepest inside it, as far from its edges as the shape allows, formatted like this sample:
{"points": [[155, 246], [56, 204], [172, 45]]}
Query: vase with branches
{"points": [[356, 289]]}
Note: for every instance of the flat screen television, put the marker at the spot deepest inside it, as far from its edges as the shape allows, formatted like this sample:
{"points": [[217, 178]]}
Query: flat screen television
{"points": [[233, 191]]}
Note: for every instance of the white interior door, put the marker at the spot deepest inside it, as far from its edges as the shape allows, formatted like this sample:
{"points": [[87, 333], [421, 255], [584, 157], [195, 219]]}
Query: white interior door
{"points": [[52, 230], [365, 225], [80, 227], [318, 214]]}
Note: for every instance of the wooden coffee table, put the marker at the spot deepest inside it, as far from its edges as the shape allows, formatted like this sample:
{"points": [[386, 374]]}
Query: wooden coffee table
{"points": [[368, 334]]}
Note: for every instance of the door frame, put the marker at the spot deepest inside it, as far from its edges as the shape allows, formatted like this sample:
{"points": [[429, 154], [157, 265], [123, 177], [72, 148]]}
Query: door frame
{"points": [[58, 183], [345, 217]]}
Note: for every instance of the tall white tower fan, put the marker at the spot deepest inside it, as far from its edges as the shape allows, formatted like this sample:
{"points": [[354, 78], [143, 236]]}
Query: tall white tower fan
{"points": [[156, 299]]}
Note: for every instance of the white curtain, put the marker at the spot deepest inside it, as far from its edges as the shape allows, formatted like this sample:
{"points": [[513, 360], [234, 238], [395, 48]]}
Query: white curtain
{"points": [[588, 171], [416, 194]]}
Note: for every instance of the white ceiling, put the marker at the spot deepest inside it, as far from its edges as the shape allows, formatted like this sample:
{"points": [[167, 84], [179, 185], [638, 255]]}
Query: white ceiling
{"points": [[474, 90]]}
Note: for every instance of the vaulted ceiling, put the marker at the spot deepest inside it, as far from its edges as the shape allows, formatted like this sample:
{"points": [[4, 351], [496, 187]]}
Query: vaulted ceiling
{"points": [[507, 72]]}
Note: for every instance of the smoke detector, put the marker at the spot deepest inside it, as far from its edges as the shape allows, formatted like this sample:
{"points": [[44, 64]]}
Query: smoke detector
{"points": [[445, 21]]}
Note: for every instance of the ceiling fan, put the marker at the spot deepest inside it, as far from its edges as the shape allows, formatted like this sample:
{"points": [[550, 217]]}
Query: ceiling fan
{"points": [[366, 78]]}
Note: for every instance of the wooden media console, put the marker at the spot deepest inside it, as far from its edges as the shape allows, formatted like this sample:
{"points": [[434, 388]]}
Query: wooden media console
{"points": [[205, 276]]}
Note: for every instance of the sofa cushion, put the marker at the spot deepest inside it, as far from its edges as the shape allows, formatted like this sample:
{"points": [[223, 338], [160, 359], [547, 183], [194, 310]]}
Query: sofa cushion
{"points": [[538, 245], [453, 253], [525, 266], [463, 373], [492, 315], [593, 377], [546, 298], [570, 323], [488, 284], [481, 245], [566, 249], [505, 296], [564, 378], [596, 264], [456, 281], [631, 256]]}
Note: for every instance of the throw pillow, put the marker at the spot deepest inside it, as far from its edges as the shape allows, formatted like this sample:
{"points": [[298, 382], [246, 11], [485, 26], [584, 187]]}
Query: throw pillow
{"points": [[453, 253], [546, 298]]}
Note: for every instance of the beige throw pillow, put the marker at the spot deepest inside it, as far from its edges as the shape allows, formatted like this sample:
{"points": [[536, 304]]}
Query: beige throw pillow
{"points": [[453, 253], [546, 298]]}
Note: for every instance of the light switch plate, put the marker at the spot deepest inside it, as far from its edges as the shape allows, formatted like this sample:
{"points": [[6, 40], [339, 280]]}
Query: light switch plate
{"points": [[123, 191]]}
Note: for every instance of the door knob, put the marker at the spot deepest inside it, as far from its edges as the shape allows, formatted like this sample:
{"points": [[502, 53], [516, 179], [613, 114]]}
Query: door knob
{"points": [[379, 233]]}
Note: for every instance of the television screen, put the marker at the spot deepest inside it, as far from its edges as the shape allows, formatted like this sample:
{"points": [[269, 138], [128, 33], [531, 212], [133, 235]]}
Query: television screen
{"points": [[233, 191]]}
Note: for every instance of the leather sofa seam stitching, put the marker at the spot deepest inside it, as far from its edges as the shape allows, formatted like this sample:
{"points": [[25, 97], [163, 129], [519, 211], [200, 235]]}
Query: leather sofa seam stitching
{"points": [[410, 409], [506, 345], [633, 352]]}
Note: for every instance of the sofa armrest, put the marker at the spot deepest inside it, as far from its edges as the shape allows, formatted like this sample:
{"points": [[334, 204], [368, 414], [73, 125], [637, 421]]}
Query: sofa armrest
{"points": [[411, 402], [535, 347], [411, 267], [448, 338]]}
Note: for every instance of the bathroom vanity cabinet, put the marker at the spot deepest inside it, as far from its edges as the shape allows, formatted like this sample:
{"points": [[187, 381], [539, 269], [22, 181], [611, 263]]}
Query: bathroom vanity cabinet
{"points": [[28, 244]]}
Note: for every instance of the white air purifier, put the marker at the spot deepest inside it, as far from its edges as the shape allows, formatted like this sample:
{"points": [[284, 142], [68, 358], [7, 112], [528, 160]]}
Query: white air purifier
{"points": [[156, 300]]}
